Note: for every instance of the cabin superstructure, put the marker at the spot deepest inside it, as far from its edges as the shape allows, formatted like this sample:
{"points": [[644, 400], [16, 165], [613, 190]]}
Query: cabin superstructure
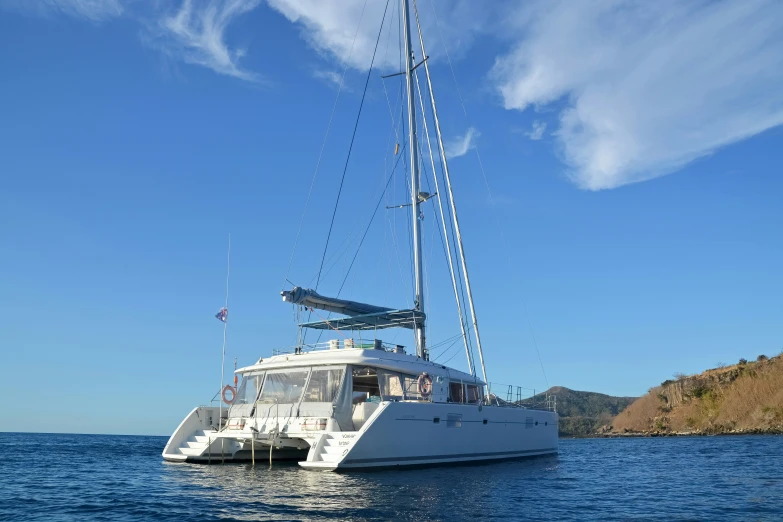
{"points": [[346, 405]]}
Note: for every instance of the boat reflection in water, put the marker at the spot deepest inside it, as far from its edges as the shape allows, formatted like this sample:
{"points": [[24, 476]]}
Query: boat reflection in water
{"points": [[286, 491]]}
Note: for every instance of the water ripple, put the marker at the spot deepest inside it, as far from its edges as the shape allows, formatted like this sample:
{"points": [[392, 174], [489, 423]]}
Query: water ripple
{"points": [[117, 478]]}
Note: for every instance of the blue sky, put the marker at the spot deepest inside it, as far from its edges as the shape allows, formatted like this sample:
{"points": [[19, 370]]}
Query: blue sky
{"points": [[633, 155]]}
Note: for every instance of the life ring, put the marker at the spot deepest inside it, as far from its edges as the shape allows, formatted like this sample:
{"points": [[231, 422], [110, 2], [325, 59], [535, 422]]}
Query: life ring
{"points": [[233, 391], [424, 385]]}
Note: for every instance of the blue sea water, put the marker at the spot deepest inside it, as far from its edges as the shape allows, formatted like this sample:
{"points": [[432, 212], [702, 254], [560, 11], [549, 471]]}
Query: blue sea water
{"points": [[100, 477]]}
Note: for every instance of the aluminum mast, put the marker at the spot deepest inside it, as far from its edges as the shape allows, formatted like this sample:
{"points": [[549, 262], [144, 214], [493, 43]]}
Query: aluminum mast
{"points": [[416, 198]]}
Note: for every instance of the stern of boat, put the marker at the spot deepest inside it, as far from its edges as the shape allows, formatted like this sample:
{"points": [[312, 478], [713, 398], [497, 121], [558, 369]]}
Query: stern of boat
{"points": [[194, 435]]}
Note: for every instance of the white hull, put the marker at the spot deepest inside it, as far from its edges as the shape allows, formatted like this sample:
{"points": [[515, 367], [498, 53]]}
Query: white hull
{"points": [[396, 434], [405, 434]]}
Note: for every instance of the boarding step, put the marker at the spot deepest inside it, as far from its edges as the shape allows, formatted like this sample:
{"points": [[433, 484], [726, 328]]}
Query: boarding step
{"points": [[326, 466], [328, 457], [203, 436], [191, 452], [197, 443], [333, 450]]}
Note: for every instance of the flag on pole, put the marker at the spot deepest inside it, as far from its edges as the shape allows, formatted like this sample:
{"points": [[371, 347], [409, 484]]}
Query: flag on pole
{"points": [[222, 315]]}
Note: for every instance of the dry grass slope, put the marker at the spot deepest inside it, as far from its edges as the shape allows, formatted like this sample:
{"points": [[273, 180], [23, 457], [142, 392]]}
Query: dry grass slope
{"points": [[746, 397]]}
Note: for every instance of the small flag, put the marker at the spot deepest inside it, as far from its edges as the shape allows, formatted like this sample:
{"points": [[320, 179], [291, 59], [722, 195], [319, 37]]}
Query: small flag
{"points": [[222, 315]]}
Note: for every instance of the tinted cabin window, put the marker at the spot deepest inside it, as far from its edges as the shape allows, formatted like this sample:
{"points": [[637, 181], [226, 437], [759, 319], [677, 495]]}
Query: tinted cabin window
{"points": [[390, 385], [283, 387], [365, 384], [410, 384], [248, 390], [323, 385], [474, 395], [456, 392]]}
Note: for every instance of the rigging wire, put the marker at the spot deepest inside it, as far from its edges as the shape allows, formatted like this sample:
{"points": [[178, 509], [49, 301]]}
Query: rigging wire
{"points": [[225, 327], [489, 192], [465, 324], [446, 250], [459, 274], [372, 218], [409, 222], [445, 341], [323, 146], [385, 251], [393, 222], [350, 147], [452, 355], [366, 230]]}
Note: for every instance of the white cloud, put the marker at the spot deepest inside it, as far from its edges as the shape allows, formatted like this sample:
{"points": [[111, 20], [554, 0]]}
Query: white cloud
{"points": [[330, 27], [642, 88], [537, 132], [647, 86], [95, 10], [332, 78], [196, 34], [460, 145]]}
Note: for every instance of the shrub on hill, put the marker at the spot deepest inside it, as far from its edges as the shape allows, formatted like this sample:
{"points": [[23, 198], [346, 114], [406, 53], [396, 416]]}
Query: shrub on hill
{"points": [[747, 396]]}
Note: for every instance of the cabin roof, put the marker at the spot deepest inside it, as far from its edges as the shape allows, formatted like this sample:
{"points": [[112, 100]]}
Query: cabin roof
{"points": [[394, 361]]}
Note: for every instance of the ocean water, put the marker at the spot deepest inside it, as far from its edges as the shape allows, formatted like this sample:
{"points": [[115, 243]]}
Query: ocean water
{"points": [[96, 477]]}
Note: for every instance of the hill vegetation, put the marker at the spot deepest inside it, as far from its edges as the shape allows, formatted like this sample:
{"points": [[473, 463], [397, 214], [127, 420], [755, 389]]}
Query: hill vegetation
{"points": [[742, 398], [582, 413]]}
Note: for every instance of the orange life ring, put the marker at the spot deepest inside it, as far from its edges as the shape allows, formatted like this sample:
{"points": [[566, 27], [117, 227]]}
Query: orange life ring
{"points": [[230, 388], [424, 385]]}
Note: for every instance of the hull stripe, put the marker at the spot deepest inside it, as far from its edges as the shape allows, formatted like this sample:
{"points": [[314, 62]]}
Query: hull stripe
{"points": [[445, 457]]}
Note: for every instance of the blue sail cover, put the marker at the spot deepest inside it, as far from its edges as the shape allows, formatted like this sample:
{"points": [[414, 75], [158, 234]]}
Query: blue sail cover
{"points": [[361, 316]]}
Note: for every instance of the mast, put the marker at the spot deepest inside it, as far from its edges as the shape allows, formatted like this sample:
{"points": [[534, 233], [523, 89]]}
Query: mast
{"points": [[451, 199], [418, 301]]}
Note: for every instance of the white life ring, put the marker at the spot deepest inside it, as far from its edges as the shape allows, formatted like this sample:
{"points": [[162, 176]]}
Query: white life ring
{"points": [[424, 385]]}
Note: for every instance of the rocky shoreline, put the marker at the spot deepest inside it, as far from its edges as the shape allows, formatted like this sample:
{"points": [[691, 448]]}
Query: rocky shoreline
{"points": [[608, 433]]}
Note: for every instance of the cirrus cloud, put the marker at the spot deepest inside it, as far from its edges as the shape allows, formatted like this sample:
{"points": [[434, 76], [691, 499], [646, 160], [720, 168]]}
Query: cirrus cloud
{"points": [[461, 145], [95, 10], [646, 87], [640, 89], [195, 33]]}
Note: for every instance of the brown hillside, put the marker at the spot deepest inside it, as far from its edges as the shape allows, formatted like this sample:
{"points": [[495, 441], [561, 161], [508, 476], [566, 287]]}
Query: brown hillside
{"points": [[746, 397], [581, 413]]}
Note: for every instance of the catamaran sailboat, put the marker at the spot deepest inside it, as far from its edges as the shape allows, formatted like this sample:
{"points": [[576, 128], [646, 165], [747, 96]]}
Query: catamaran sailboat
{"points": [[355, 403]]}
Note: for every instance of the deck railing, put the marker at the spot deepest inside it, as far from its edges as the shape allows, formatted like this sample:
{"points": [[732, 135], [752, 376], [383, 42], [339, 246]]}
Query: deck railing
{"points": [[512, 396], [338, 344]]}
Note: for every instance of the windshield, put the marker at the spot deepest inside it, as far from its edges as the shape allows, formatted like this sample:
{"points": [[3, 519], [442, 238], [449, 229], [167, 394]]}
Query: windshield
{"points": [[323, 385], [283, 387], [248, 389]]}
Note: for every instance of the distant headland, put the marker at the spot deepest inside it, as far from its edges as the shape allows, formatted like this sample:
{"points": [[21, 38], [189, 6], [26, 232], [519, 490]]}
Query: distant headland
{"points": [[746, 397]]}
